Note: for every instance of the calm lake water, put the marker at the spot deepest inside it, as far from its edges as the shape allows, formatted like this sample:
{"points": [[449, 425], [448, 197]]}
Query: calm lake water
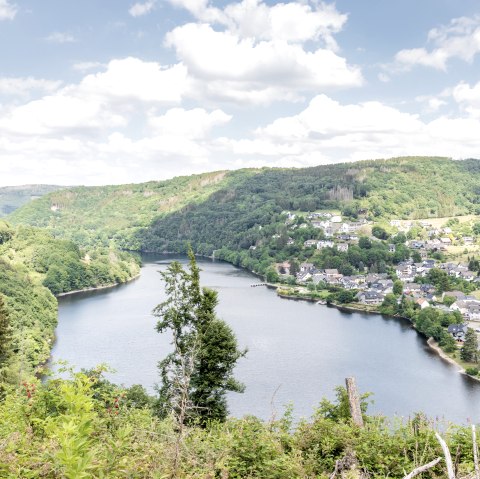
{"points": [[298, 352]]}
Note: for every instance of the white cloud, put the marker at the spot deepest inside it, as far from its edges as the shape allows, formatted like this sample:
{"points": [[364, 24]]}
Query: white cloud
{"points": [[85, 66], [468, 98], [101, 101], [139, 9], [194, 124], [241, 69], [252, 52], [61, 37], [327, 131], [7, 10], [460, 39], [17, 86]]}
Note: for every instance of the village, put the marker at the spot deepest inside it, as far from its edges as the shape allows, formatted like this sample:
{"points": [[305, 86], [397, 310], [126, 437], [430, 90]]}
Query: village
{"points": [[371, 288]]}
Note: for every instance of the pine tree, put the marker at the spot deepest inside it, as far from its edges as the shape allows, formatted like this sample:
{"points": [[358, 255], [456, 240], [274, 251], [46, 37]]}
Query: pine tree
{"points": [[469, 351]]}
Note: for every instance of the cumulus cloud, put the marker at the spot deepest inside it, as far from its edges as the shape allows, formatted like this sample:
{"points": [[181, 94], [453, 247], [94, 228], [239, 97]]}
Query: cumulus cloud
{"points": [[140, 9], [19, 86], [328, 131], [246, 70], [7, 10], [100, 101], [85, 66], [251, 52], [468, 97], [192, 124], [60, 37], [459, 39]]}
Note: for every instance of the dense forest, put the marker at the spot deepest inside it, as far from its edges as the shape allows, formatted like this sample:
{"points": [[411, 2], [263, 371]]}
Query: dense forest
{"points": [[34, 267], [226, 209], [92, 216], [12, 197]]}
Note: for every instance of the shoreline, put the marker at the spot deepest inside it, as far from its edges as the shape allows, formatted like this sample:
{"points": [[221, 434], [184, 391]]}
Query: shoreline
{"points": [[96, 288], [431, 343]]}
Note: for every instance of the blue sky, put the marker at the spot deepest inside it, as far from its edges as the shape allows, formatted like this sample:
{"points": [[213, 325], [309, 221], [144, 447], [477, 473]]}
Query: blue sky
{"points": [[115, 91]]}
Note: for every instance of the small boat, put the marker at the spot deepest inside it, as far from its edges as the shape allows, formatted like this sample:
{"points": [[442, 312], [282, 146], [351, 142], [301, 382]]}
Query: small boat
{"points": [[322, 302]]}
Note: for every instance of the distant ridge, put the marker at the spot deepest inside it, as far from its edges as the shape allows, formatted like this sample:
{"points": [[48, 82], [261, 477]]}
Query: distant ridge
{"points": [[13, 197], [226, 208]]}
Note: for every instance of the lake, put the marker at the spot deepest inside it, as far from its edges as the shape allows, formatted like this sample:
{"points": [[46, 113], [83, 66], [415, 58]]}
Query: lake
{"points": [[298, 352]]}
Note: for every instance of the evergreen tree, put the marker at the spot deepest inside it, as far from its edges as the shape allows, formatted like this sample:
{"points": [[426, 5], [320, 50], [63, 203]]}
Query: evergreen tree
{"points": [[199, 372], [469, 352]]}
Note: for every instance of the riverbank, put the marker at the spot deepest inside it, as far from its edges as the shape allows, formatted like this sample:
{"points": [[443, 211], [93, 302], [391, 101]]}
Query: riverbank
{"points": [[96, 288], [361, 308]]}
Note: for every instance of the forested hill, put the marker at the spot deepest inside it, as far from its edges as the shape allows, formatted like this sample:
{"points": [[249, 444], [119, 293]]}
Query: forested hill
{"points": [[94, 215], [225, 209], [33, 267], [12, 197]]}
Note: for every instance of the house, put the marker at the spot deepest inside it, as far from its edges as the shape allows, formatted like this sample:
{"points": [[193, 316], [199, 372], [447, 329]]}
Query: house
{"points": [[283, 268], [290, 241], [307, 267], [343, 247], [303, 277], [309, 243], [454, 294], [336, 219], [446, 241], [467, 240], [370, 297], [333, 276], [325, 244], [319, 277], [423, 303], [409, 288], [461, 306], [458, 331], [391, 248], [474, 313]]}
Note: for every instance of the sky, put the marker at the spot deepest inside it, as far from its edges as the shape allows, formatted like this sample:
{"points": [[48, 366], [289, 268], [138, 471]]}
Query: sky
{"points": [[113, 91]]}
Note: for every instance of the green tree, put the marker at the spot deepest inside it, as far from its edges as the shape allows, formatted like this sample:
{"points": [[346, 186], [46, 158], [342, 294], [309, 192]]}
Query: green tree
{"points": [[199, 371], [469, 351], [379, 232], [397, 287]]}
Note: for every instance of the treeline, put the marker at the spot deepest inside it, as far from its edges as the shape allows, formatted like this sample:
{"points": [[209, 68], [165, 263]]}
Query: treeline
{"points": [[33, 268], [226, 209], [87, 427]]}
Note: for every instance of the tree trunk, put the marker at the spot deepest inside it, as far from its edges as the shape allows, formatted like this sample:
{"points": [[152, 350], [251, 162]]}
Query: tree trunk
{"points": [[354, 401]]}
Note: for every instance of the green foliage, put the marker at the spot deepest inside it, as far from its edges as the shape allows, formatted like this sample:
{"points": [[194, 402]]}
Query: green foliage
{"points": [[469, 351], [397, 287], [31, 259], [198, 373], [65, 428], [380, 232]]}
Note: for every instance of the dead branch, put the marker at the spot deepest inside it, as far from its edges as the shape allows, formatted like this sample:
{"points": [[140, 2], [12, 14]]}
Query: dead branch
{"points": [[448, 457], [475, 452], [423, 468]]}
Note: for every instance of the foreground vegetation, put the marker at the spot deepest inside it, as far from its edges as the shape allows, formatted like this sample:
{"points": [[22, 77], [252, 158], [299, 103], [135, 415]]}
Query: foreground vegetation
{"points": [[86, 427]]}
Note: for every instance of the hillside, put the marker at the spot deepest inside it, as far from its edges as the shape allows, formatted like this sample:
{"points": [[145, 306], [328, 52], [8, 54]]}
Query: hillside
{"points": [[225, 209], [13, 197], [33, 267], [95, 215]]}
